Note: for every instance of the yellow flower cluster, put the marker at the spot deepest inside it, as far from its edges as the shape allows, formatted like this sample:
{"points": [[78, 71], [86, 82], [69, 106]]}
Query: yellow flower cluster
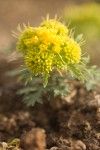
{"points": [[48, 47], [39, 63]]}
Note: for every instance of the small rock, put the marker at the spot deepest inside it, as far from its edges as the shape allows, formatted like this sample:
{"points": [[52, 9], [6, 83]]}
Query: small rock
{"points": [[16, 148], [33, 140], [79, 145], [54, 148], [3, 146], [87, 126], [98, 114]]}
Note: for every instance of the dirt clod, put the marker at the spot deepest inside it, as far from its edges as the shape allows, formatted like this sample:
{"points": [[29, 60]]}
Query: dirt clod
{"points": [[33, 140]]}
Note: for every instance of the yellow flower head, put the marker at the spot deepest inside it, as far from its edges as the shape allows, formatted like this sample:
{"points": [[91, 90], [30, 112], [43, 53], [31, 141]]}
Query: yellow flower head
{"points": [[72, 51], [25, 39], [39, 63], [48, 47]]}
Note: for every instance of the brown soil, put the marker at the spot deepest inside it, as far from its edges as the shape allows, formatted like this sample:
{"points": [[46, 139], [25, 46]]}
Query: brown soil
{"points": [[55, 125]]}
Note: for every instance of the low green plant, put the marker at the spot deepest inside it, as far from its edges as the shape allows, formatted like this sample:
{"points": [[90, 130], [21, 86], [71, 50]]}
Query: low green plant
{"points": [[51, 58]]}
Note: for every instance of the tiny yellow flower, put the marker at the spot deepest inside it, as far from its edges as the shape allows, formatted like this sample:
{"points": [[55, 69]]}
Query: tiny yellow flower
{"points": [[43, 47], [61, 29], [56, 48], [44, 35], [32, 41]]}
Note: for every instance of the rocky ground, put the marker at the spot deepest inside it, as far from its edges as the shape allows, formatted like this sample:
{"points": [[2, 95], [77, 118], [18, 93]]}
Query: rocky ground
{"points": [[73, 124]]}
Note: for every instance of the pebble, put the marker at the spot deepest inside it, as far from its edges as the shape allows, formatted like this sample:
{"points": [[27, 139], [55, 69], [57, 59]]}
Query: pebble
{"points": [[79, 145]]}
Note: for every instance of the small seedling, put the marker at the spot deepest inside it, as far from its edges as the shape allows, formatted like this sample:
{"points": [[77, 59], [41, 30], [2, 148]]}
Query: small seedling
{"points": [[50, 56]]}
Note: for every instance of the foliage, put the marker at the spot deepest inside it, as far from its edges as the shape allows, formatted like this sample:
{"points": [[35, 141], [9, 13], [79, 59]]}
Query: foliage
{"points": [[34, 90], [57, 85], [93, 82]]}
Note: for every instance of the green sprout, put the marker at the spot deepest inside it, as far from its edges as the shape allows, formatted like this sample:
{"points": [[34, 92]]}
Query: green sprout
{"points": [[51, 55]]}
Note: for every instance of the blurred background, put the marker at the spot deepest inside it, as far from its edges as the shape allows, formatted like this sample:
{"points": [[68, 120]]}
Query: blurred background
{"points": [[83, 15]]}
